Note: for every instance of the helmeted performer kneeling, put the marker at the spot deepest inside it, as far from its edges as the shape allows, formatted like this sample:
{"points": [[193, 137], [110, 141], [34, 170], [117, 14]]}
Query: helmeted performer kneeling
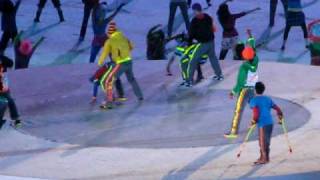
{"points": [[119, 48]]}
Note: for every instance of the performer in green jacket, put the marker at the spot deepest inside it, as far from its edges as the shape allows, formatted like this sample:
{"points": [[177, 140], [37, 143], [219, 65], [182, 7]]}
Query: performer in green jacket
{"points": [[244, 88]]}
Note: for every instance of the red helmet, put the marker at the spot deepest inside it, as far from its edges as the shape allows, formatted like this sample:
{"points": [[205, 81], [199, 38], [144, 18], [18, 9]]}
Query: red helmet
{"points": [[248, 53]]}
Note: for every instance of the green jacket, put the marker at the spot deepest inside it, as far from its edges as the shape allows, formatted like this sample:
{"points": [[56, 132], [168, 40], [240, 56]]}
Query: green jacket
{"points": [[245, 68], [243, 74]]}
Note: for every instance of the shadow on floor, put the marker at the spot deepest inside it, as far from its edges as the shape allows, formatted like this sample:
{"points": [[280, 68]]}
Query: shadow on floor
{"points": [[195, 165], [298, 176]]}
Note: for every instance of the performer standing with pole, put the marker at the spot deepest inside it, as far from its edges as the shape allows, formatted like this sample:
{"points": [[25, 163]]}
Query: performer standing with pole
{"points": [[261, 106]]}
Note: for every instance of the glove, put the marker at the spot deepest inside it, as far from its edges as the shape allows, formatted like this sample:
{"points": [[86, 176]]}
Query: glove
{"points": [[253, 122], [280, 117], [280, 121]]}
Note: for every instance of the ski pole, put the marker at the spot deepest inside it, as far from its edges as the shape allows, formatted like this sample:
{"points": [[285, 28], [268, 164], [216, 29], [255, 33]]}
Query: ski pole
{"points": [[242, 146], [285, 130]]}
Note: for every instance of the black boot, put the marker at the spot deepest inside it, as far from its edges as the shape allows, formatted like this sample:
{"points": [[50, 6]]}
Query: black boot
{"points": [[223, 54], [38, 14], [60, 14]]}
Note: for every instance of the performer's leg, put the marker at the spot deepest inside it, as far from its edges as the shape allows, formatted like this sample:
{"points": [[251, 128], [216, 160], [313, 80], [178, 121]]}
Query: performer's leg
{"points": [[41, 5], [285, 36], [119, 88], [223, 54], [305, 34], [94, 52], [214, 60], [262, 144], [173, 9], [184, 11], [132, 80], [57, 5], [4, 41], [240, 105], [268, 135], [273, 9], [85, 19]]}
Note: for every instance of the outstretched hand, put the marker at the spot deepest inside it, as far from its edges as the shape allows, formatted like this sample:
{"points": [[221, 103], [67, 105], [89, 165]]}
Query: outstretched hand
{"points": [[231, 95]]}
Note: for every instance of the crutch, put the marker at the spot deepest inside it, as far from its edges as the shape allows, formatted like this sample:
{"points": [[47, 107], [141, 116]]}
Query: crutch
{"points": [[242, 146], [285, 131]]}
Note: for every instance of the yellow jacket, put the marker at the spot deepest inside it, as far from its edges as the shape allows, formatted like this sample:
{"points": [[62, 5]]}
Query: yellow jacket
{"points": [[119, 47]]}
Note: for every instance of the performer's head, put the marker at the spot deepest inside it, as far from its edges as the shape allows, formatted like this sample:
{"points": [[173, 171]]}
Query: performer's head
{"points": [[25, 47], [197, 9], [223, 13], [112, 28], [260, 88]]}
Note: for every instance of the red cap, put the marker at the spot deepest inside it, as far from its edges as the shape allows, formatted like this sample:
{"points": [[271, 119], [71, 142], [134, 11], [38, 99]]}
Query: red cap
{"points": [[248, 53]]}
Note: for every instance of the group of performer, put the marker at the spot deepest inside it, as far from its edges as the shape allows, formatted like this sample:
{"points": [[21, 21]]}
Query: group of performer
{"points": [[193, 49]]}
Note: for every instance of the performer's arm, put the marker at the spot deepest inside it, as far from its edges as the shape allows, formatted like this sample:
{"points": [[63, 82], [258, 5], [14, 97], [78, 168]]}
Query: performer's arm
{"points": [[108, 19], [104, 54], [279, 112], [256, 114]]}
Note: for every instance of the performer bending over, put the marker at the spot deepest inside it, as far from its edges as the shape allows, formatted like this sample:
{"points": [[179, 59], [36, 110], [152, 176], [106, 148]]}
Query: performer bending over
{"points": [[119, 47]]}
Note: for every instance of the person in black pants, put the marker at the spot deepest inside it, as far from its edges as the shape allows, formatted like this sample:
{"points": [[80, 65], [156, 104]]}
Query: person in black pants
{"points": [[208, 3], [183, 5], [41, 5], [88, 7], [8, 22], [5, 63], [273, 9], [295, 17], [202, 30]]}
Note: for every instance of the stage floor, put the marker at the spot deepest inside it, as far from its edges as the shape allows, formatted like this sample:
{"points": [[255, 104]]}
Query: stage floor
{"points": [[56, 107], [175, 133]]}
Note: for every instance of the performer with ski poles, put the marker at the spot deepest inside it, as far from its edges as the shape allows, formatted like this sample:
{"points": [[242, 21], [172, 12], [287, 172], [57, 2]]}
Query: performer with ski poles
{"points": [[244, 88], [261, 106]]}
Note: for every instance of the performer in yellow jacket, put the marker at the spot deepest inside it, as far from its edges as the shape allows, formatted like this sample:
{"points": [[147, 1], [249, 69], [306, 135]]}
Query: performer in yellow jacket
{"points": [[119, 48]]}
